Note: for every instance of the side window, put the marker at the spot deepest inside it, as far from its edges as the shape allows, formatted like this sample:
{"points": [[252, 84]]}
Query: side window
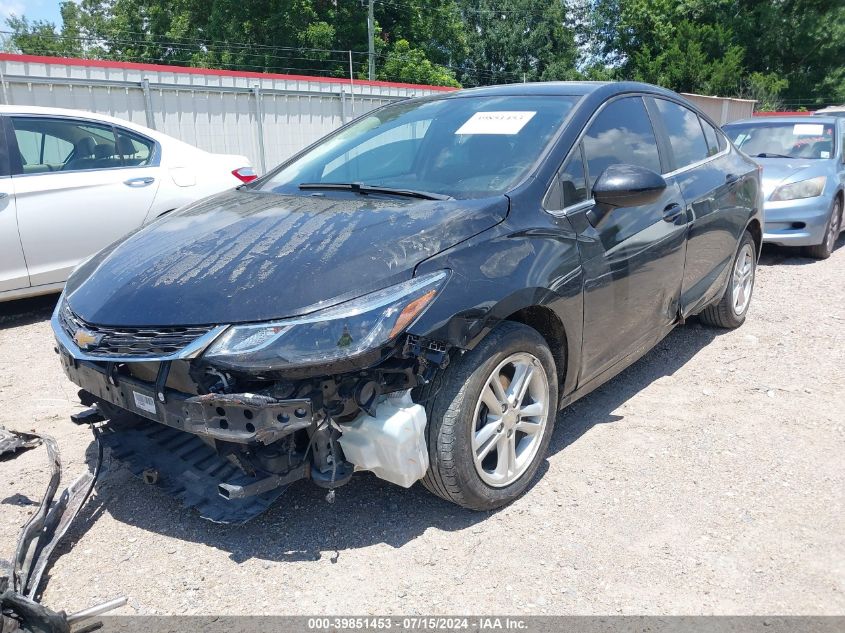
{"points": [[573, 184], [621, 133], [685, 134], [4, 150], [135, 150], [38, 148], [48, 145], [711, 136], [570, 186]]}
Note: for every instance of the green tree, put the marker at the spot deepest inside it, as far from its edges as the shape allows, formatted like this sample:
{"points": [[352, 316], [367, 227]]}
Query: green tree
{"points": [[408, 64], [41, 37], [785, 51], [516, 40], [291, 36]]}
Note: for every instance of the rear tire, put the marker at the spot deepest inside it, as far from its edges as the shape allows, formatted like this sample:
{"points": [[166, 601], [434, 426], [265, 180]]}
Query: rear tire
{"points": [[730, 311], [831, 233], [503, 393]]}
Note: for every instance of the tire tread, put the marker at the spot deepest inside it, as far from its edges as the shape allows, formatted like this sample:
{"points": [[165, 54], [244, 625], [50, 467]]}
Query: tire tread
{"points": [[443, 398]]}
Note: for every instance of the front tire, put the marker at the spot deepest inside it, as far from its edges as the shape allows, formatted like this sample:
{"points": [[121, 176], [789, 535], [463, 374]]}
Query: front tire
{"points": [[490, 419], [730, 311], [831, 233]]}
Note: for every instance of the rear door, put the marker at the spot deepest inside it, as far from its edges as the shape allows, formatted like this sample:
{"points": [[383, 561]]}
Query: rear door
{"points": [[633, 257], [699, 164], [80, 185], [13, 273]]}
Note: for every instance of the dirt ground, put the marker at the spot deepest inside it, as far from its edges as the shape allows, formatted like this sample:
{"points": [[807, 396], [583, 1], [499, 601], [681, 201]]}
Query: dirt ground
{"points": [[708, 478]]}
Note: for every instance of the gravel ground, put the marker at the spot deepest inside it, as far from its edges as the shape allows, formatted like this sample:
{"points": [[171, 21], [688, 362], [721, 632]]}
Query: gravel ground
{"points": [[706, 479]]}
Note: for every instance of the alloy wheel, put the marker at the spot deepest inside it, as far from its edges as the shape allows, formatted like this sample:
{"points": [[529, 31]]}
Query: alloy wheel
{"points": [[743, 279], [833, 228], [510, 418]]}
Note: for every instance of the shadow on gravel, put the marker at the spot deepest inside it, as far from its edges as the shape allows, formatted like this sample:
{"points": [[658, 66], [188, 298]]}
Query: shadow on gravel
{"points": [[672, 353], [790, 256], [300, 526], [303, 526], [26, 311]]}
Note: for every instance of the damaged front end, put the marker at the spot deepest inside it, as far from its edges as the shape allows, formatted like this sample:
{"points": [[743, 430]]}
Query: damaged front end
{"points": [[226, 416]]}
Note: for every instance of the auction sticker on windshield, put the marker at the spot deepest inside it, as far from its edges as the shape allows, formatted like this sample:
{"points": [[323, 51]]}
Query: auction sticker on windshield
{"points": [[495, 123], [813, 129]]}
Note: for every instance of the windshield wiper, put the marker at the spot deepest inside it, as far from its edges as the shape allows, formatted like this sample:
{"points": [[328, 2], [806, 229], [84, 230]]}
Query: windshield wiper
{"points": [[770, 155], [361, 188]]}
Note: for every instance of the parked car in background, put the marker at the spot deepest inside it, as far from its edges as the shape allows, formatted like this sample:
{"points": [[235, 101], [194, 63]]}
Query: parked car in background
{"points": [[838, 111], [72, 182], [420, 292], [803, 177]]}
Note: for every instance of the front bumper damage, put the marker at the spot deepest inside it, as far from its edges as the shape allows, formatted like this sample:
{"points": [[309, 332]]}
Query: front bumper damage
{"points": [[228, 445], [240, 418]]}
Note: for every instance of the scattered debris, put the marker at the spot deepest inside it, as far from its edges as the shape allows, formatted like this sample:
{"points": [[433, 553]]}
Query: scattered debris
{"points": [[19, 583], [14, 441]]}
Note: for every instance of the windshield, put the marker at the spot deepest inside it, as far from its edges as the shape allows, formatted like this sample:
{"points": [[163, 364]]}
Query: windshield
{"points": [[784, 140], [467, 147]]}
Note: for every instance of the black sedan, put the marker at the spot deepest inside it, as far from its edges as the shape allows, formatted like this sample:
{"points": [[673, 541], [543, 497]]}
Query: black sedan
{"points": [[417, 294]]}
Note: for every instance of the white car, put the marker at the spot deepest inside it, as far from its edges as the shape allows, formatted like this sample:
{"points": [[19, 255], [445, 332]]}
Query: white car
{"points": [[73, 182]]}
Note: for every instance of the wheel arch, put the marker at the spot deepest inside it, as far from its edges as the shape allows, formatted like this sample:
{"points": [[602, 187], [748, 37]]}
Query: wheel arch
{"points": [[551, 328], [754, 227]]}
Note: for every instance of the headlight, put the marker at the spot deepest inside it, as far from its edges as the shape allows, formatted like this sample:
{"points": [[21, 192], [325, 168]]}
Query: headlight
{"points": [[338, 332], [801, 189]]}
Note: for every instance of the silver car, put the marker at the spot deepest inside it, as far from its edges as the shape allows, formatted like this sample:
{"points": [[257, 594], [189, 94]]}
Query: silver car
{"points": [[831, 111], [803, 177]]}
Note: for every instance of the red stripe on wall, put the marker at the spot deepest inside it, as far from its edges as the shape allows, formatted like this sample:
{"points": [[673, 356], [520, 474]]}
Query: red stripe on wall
{"points": [[791, 113], [100, 63]]}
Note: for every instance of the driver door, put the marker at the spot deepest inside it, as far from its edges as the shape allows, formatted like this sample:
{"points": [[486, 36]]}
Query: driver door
{"points": [[632, 257], [75, 193]]}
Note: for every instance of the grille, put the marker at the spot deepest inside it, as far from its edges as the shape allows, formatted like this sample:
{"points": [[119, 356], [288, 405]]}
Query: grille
{"points": [[140, 342]]}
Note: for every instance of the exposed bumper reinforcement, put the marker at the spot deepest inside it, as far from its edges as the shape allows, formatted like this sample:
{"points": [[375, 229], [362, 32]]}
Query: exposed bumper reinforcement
{"points": [[239, 418]]}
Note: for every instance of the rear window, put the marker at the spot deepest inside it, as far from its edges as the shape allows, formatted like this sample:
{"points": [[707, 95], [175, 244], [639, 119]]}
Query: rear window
{"points": [[784, 139], [686, 137], [712, 137]]}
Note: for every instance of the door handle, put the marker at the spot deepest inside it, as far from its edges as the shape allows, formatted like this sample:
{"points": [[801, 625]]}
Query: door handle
{"points": [[672, 212], [139, 182], [731, 178]]}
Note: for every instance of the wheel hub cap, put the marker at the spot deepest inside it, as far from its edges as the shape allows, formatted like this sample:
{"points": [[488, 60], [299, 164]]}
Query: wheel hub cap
{"points": [[743, 279], [510, 418]]}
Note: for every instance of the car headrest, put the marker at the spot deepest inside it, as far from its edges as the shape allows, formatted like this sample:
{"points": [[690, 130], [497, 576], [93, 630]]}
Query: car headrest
{"points": [[104, 150], [84, 147], [125, 146]]}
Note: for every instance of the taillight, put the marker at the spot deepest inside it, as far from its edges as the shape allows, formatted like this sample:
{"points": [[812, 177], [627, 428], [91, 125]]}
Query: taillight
{"points": [[245, 174]]}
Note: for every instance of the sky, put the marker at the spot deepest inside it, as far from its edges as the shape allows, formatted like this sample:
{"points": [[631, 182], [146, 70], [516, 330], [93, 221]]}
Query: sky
{"points": [[32, 9]]}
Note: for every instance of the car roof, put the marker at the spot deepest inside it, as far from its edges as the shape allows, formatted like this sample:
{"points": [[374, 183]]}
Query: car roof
{"points": [[784, 119], [561, 88], [84, 114]]}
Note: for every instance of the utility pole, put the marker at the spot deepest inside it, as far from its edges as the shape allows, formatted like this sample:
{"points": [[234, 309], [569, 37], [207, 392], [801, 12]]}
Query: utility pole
{"points": [[371, 27]]}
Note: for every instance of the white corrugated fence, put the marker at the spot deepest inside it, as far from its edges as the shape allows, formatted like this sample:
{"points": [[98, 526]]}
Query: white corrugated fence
{"points": [[265, 117]]}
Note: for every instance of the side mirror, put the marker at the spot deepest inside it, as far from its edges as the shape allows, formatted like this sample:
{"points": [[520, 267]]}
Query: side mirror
{"points": [[625, 185]]}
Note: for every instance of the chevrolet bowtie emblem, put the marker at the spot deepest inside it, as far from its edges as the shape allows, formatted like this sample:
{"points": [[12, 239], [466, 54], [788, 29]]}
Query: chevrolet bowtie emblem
{"points": [[85, 339]]}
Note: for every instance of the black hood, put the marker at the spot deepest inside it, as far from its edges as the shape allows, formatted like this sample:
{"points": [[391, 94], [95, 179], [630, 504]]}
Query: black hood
{"points": [[245, 256]]}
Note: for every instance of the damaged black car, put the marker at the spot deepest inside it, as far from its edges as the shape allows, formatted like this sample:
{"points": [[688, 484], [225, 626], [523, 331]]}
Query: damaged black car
{"points": [[417, 294]]}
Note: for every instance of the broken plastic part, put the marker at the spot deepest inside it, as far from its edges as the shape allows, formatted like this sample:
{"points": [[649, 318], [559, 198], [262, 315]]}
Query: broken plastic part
{"points": [[391, 444]]}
